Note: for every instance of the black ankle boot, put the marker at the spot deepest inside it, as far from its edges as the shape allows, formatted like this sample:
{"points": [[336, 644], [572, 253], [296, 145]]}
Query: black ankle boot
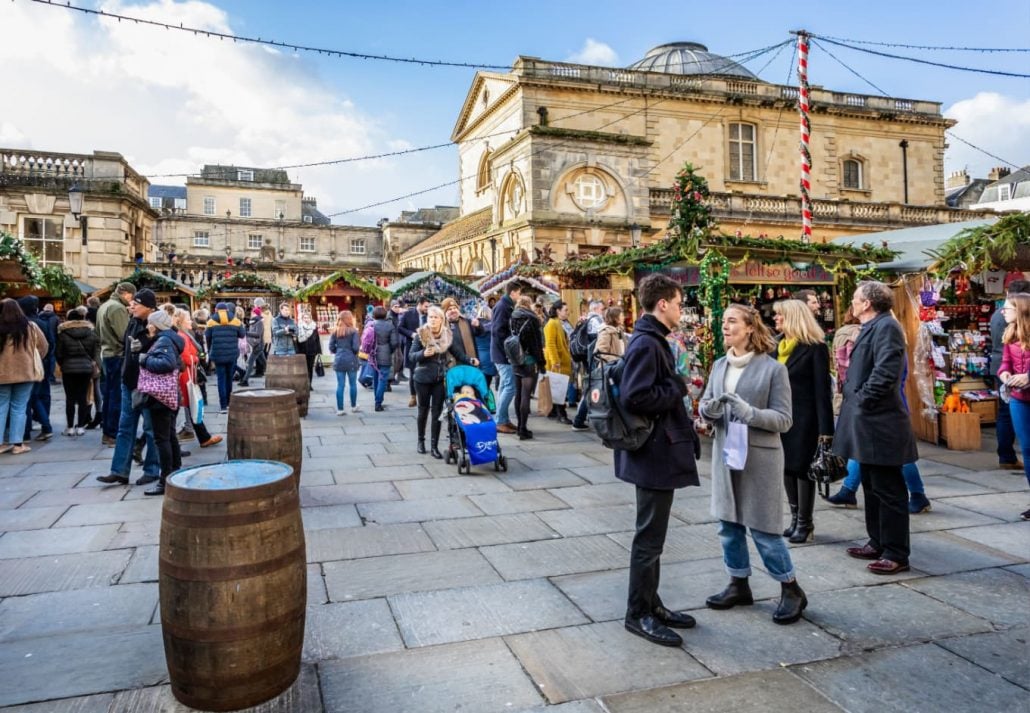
{"points": [[804, 531], [737, 593], [789, 532], [790, 486], [435, 451], [421, 446], [792, 602]]}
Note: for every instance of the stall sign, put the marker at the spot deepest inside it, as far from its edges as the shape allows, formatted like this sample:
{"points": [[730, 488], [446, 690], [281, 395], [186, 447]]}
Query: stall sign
{"points": [[755, 272]]}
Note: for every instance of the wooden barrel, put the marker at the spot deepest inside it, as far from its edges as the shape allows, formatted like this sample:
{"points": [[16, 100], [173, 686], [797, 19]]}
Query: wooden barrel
{"points": [[290, 372], [264, 425], [233, 583]]}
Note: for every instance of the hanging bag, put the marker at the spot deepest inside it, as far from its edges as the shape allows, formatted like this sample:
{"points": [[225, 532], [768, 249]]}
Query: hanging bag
{"points": [[734, 449], [161, 387], [826, 467]]}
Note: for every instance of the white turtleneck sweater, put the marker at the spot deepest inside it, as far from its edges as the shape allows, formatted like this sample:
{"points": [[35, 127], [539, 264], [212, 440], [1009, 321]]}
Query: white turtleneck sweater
{"points": [[735, 366]]}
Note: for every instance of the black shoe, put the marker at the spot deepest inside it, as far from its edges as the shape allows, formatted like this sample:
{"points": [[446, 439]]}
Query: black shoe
{"points": [[648, 627], [244, 383], [147, 480], [805, 532], [158, 489], [379, 407], [113, 479], [565, 420], [185, 454], [421, 447], [793, 523], [792, 602], [435, 452], [525, 435], [675, 619], [737, 593]]}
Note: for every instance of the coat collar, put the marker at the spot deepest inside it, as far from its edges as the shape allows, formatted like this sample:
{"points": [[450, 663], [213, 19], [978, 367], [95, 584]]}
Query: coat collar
{"points": [[867, 327]]}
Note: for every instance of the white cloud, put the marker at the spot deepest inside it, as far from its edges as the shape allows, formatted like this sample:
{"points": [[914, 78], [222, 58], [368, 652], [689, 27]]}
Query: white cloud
{"points": [[171, 101], [994, 122], [596, 53]]}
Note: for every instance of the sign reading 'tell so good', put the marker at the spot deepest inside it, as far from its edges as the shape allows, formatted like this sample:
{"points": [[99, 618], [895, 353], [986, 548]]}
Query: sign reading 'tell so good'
{"points": [[755, 273]]}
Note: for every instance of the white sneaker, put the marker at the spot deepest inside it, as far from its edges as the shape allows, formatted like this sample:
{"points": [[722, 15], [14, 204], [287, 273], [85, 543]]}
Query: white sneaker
{"points": [[69, 432], [341, 412], [355, 409], [80, 431]]}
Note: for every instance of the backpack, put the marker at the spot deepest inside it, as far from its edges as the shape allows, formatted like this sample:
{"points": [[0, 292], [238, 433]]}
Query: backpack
{"points": [[513, 350], [616, 427], [581, 341]]}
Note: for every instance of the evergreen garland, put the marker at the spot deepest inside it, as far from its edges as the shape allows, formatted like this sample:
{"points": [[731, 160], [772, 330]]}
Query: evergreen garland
{"points": [[317, 288], [986, 246], [243, 279]]}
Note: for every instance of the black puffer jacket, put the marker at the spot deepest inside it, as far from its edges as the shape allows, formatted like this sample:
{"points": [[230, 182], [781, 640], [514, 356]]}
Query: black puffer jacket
{"points": [[432, 369], [78, 347], [531, 336]]}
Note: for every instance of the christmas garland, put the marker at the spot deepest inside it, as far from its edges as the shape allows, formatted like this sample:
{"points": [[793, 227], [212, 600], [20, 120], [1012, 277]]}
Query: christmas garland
{"points": [[984, 247], [317, 288], [51, 279], [437, 284], [243, 279], [715, 277], [13, 249], [141, 277]]}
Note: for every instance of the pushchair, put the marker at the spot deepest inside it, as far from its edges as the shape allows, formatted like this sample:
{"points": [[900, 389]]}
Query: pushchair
{"points": [[471, 431]]}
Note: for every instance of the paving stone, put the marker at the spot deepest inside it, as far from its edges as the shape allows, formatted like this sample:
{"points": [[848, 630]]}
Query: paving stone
{"points": [[136, 534], [347, 493], [524, 501], [573, 707], [99, 608], [488, 530], [302, 697], [317, 593], [417, 510], [330, 516], [57, 541], [340, 630], [382, 576], [693, 507], [469, 676], [29, 518], [994, 594], [592, 496], [539, 479], [931, 467], [596, 474], [81, 704], [821, 568], [548, 558], [14, 468], [597, 659], [74, 496], [43, 477], [944, 486], [946, 553], [1010, 538], [10, 499], [342, 451], [997, 505], [385, 474], [558, 460], [387, 460], [370, 541], [1006, 653], [873, 617], [429, 618], [313, 478], [690, 542], [148, 510], [884, 681], [65, 666], [61, 572], [835, 525], [776, 691], [143, 567], [1021, 569], [947, 517], [684, 585], [445, 487], [591, 521]]}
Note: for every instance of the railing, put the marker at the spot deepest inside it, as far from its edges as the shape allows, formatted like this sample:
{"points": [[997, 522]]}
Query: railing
{"points": [[100, 172]]}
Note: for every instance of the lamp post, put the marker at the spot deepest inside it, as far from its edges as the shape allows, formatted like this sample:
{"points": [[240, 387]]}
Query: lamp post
{"points": [[75, 200], [228, 249], [634, 235], [493, 254]]}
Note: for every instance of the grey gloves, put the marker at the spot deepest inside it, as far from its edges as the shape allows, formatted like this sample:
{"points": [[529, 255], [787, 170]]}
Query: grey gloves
{"points": [[711, 409], [739, 408], [135, 345]]}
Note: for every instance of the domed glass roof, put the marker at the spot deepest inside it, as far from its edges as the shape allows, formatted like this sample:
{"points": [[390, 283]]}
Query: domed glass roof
{"points": [[690, 58]]}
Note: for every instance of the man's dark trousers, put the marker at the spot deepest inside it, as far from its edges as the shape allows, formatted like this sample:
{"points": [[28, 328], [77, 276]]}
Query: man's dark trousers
{"points": [[886, 510], [653, 509]]}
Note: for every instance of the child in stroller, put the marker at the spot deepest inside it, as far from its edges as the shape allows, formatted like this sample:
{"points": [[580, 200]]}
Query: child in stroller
{"points": [[471, 432]]}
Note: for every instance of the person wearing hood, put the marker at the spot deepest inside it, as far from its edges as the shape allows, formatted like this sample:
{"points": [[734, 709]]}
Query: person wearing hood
{"points": [[49, 317], [38, 409], [284, 333], [223, 335], [163, 357], [78, 354], [112, 321], [526, 325]]}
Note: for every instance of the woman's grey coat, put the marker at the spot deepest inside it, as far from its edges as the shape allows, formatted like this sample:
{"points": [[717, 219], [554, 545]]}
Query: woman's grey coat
{"points": [[752, 497]]}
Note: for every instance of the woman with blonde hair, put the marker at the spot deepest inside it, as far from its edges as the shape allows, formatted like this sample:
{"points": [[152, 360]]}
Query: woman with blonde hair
{"points": [[344, 345], [1014, 372], [182, 322], [802, 349]]}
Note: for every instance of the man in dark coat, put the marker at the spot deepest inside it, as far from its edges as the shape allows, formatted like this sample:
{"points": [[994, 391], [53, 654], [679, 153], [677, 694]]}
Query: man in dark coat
{"points": [[500, 329], [651, 387], [407, 325], [874, 428]]}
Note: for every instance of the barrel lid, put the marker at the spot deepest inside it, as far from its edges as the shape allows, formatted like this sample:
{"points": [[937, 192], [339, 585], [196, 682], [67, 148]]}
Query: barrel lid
{"points": [[231, 475], [261, 393]]}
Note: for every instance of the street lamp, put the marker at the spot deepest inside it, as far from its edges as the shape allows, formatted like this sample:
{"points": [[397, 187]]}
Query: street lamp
{"points": [[634, 235], [75, 200], [493, 254]]}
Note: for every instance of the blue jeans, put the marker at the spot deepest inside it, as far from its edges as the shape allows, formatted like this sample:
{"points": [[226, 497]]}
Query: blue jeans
{"points": [[380, 379], [38, 408], [121, 461], [1020, 411], [505, 392], [112, 399], [910, 471], [771, 547], [224, 372], [14, 399], [1006, 434], [341, 378]]}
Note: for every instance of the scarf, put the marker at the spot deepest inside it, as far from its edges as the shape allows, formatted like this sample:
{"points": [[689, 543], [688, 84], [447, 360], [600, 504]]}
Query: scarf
{"points": [[785, 348], [305, 330], [440, 342], [465, 330]]}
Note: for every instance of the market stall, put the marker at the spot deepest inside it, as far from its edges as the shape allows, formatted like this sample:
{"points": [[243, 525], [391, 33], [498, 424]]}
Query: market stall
{"points": [[436, 286], [165, 288], [21, 274], [492, 287], [241, 288], [340, 291]]}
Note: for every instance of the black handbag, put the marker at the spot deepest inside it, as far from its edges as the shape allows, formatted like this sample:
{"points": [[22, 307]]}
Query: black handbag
{"points": [[319, 368], [826, 467]]}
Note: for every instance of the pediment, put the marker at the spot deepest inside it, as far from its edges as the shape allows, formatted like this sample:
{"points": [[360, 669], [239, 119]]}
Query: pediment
{"points": [[486, 92]]}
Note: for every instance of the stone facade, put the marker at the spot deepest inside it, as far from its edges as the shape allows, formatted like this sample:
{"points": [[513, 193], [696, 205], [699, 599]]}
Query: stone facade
{"points": [[411, 228]]}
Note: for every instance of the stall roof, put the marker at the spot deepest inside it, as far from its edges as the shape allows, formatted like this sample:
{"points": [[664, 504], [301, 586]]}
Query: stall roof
{"points": [[316, 288], [145, 276], [913, 243], [417, 278]]}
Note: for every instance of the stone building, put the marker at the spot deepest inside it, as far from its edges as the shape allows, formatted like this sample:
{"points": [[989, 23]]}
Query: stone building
{"points": [[576, 159], [113, 223], [411, 227]]}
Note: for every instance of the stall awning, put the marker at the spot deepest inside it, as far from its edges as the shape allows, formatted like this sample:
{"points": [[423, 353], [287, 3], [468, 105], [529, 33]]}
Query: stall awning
{"points": [[425, 279], [914, 243]]}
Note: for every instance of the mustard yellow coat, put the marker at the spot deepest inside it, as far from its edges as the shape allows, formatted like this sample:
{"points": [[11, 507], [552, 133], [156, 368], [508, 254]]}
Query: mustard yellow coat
{"points": [[556, 348]]}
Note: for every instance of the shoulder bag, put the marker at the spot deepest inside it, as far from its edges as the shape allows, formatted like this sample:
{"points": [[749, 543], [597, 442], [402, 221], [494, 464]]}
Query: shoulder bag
{"points": [[826, 467]]}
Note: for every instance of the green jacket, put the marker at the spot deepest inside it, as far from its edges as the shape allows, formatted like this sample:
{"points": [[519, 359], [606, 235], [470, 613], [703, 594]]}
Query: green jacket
{"points": [[112, 321]]}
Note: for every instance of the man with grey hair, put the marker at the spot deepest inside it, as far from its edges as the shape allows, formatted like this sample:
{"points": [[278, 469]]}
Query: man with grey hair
{"points": [[874, 428], [112, 320]]}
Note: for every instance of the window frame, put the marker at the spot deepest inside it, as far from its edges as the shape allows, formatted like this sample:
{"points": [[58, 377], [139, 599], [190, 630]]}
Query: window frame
{"points": [[155, 202], [483, 173], [358, 246], [44, 239], [249, 213], [245, 174], [307, 240], [844, 174], [1005, 192], [741, 143], [206, 238], [280, 209], [210, 205], [250, 241]]}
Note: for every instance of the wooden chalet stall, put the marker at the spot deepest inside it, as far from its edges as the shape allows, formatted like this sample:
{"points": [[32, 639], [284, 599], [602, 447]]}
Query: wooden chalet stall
{"points": [[21, 274], [241, 288], [166, 289], [436, 286], [340, 291]]}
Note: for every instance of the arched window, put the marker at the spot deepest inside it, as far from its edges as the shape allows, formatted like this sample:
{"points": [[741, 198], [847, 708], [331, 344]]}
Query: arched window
{"points": [[742, 152], [852, 173], [483, 175]]}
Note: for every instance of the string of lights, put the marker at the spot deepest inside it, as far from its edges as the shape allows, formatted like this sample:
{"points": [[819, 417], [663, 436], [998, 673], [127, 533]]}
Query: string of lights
{"points": [[985, 152], [941, 48], [841, 62], [956, 67]]}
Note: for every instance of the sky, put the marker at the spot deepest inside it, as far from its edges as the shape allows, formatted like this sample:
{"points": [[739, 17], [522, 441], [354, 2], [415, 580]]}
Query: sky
{"points": [[171, 101]]}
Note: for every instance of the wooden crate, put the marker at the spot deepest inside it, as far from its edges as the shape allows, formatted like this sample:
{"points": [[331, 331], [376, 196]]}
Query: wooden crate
{"points": [[961, 431], [987, 410]]}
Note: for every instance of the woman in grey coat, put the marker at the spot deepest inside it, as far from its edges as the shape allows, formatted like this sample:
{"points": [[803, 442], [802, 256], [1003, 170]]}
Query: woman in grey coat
{"points": [[751, 387]]}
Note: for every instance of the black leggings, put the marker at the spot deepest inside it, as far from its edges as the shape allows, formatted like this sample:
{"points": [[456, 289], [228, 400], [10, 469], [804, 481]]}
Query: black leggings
{"points": [[430, 398], [523, 393], [163, 420], [76, 393]]}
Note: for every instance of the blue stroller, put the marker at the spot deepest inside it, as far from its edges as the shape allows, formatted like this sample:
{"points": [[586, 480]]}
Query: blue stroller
{"points": [[471, 431]]}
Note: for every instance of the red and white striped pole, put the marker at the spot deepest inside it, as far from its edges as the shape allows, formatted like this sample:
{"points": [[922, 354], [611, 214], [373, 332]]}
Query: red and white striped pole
{"points": [[806, 133]]}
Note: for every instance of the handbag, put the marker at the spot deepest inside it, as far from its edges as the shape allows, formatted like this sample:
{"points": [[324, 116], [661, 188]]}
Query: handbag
{"points": [[734, 448], [543, 397], [559, 387], [827, 467], [319, 367], [163, 388], [37, 364]]}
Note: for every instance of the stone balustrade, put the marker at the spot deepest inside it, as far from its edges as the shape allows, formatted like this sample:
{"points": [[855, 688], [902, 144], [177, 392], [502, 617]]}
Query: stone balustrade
{"points": [[101, 171]]}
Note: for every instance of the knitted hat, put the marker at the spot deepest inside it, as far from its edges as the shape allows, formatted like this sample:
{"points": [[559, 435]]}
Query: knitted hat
{"points": [[259, 302], [147, 298], [160, 319], [448, 304]]}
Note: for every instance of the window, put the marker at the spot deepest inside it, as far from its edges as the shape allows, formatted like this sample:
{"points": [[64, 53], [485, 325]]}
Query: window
{"points": [[44, 238], [483, 175], [515, 193], [280, 209], [180, 204], [1005, 192], [201, 239], [742, 152], [244, 174], [254, 242], [244, 207], [590, 191], [853, 174], [357, 246], [209, 205], [308, 219], [307, 244], [155, 202]]}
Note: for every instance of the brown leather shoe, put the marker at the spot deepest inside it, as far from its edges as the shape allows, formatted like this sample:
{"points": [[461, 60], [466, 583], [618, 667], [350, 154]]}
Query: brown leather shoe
{"points": [[865, 552], [412, 402], [1011, 466], [507, 428], [213, 441], [887, 567]]}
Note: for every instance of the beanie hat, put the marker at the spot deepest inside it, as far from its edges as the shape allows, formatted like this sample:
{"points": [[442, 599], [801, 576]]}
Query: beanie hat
{"points": [[160, 319], [259, 302], [147, 298], [221, 306], [448, 303]]}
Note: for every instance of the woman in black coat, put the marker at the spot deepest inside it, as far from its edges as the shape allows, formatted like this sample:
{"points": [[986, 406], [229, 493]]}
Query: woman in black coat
{"points": [[526, 325], [78, 354], [802, 349]]}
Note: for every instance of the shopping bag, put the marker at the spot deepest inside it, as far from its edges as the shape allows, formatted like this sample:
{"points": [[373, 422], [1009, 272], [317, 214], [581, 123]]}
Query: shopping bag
{"points": [[543, 397], [365, 375], [559, 388], [734, 449], [196, 397], [319, 367]]}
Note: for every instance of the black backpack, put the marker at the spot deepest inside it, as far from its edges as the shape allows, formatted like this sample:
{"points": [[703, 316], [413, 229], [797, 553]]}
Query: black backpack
{"points": [[513, 350], [616, 427], [581, 341]]}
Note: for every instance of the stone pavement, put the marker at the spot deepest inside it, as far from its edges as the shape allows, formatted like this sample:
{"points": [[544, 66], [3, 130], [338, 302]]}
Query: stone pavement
{"points": [[430, 591]]}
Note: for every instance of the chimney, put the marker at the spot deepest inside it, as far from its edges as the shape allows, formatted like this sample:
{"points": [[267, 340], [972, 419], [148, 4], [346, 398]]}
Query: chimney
{"points": [[957, 179], [997, 173]]}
